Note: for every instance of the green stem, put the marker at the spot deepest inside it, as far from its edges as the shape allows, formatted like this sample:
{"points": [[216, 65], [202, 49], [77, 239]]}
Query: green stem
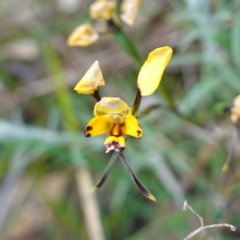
{"points": [[125, 42], [136, 103], [96, 95]]}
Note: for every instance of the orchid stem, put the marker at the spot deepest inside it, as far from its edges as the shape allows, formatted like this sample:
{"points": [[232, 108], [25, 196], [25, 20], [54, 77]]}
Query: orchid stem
{"points": [[96, 95], [136, 103], [125, 42]]}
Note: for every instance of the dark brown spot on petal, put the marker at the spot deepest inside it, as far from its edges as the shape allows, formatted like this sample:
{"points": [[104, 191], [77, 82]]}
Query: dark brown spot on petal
{"points": [[139, 132], [89, 128], [87, 134]]}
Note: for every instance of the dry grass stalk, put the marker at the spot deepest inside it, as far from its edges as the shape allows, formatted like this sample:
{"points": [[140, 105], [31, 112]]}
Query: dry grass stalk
{"points": [[202, 227]]}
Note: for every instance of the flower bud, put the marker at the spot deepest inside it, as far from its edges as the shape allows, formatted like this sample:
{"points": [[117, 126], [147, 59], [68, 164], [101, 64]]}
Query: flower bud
{"points": [[83, 36]]}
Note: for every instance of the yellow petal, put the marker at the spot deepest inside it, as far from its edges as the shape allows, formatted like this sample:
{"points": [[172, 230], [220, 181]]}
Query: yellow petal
{"points": [[91, 80], [97, 126], [130, 10], [103, 10], [152, 70], [132, 127], [114, 143], [110, 105], [83, 36]]}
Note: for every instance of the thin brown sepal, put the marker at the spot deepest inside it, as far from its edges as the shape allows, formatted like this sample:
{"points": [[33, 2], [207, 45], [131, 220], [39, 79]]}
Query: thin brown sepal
{"points": [[146, 193], [105, 173]]}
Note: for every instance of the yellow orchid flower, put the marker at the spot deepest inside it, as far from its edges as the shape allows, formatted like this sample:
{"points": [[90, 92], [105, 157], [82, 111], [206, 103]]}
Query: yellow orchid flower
{"points": [[83, 36], [130, 10], [114, 117], [235, 111]]}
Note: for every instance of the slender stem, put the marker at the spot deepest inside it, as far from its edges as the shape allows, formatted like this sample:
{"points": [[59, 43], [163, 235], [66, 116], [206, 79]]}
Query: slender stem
{"points": [[188, 207], [202, 227], [96, 95], [136, 103], [125, 42]]}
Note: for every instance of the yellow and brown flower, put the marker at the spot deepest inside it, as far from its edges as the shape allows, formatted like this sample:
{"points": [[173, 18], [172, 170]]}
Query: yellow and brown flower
{"points": [[113, 117]]}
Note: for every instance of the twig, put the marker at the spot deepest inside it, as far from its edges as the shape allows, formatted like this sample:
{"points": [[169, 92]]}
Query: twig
{"points": [[202, 227]]}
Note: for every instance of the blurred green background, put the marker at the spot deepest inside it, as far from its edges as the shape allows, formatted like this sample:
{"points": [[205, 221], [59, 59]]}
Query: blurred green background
{"points": [[47, 166]]}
